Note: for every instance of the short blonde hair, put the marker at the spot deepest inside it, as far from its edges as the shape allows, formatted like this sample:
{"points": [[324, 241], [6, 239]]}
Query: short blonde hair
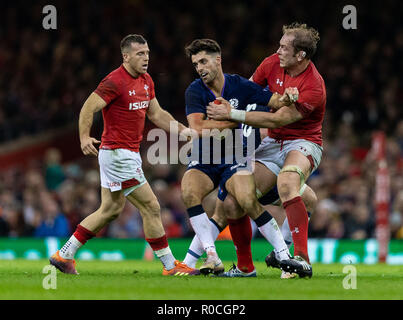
{"points": [[305, 38]]}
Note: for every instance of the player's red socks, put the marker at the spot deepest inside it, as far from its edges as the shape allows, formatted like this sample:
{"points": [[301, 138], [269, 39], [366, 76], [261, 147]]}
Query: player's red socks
{"points": [[298, 221], [158, 243], [161, 249], [83, 235], [241, 233]]}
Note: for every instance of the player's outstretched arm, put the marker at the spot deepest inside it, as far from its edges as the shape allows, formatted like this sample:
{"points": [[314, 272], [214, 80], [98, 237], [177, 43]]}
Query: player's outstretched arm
{"points": [[93, 104], [282, 117], [199, 122], [164, 120]]}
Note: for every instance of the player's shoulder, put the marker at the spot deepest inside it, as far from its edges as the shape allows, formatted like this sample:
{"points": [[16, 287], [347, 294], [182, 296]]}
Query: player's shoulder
{"points": [[315, 73], [271, 60], [270, 66], [112, 81], [233, 79], [115, 77], [195, 86], [238, 80], [314, 77], [116, 74], [147, 77]]}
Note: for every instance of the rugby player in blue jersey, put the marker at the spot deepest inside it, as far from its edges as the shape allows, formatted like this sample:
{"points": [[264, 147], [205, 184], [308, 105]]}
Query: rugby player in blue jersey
{"points": [[217, 157], [193, 192]]}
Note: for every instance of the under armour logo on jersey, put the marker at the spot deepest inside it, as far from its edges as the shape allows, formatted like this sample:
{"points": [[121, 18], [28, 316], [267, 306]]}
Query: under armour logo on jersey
{"points": [[132, 93], [295, 230], [279, 82]]}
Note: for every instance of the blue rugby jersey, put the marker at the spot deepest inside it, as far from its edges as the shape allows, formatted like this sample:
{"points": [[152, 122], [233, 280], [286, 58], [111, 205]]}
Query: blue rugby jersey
{"points": [[242, 94]]}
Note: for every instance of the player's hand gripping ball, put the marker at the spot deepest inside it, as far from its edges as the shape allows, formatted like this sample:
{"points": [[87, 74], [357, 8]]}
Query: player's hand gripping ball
{"points": [[224, 133]]}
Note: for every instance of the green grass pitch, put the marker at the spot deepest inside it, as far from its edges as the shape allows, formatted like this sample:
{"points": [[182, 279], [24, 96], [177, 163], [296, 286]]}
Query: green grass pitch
{"points": [[142, 280]]}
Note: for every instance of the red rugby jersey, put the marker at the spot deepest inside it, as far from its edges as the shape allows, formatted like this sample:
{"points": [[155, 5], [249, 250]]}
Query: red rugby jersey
{"points": [[311, 101], [127, 101]]}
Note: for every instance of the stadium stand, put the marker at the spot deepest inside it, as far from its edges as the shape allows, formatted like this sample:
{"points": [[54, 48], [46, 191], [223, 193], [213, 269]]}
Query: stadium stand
{"points": [[47, 74]]}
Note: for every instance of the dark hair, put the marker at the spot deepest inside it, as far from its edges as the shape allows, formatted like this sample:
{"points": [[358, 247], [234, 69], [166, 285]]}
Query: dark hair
{"points": [[198, 45], [131, 38], [305, 38]]}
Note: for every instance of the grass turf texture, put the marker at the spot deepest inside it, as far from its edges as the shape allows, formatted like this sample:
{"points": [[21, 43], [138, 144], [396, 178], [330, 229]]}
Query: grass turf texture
{"points": [[138, 280]]}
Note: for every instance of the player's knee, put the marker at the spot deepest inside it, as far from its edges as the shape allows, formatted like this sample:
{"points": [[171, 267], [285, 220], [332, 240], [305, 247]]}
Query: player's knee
{"points": [[287, 189], [151, 208], [232, 209], [311, 201], [249, 203], [190, 197], [220, 219], [283, 190], [112, 210]]}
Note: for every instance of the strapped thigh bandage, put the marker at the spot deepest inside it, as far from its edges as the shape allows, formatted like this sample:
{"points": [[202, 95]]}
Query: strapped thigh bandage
{"points": [[296, 169]]}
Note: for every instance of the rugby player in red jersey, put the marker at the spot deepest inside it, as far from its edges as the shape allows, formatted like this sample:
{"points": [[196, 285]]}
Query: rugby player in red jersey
{"points": [[125, 96], [294, 141]]}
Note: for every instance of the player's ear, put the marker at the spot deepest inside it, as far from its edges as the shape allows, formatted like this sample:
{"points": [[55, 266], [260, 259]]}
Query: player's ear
{"points": [[125, 56], [301, 55], [218, 59]]}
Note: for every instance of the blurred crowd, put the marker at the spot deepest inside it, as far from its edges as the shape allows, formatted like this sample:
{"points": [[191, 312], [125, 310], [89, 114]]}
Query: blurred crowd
{"points": [[47, 75]]}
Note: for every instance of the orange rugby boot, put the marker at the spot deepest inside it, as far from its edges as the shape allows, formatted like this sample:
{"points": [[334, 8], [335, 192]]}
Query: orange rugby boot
{"points": [[180, 269], [64, 265]]}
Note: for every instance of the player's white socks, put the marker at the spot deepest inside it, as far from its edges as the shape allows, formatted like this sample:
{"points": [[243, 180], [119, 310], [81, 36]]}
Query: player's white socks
{"points": [[202, 227], [166, 257], [269, 228], [254, 227], [70, 248], [286, 232], [196, 247]]}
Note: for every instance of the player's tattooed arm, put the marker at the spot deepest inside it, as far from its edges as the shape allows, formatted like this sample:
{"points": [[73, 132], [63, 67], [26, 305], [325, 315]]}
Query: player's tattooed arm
{"points": [[93, 104], [199, 122]]}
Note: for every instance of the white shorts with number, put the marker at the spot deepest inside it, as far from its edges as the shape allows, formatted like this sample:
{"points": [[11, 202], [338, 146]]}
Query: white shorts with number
{"points": [[272, 153], [120, 169]]}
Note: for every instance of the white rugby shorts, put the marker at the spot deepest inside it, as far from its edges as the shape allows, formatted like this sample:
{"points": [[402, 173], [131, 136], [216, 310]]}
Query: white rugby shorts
{"points": [[120, 169], [272, 153]]}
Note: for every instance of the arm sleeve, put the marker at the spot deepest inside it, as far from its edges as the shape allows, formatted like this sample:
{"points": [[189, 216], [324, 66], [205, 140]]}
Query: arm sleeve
{"points": [[309, 99], [107, 89], [194, 102]]}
